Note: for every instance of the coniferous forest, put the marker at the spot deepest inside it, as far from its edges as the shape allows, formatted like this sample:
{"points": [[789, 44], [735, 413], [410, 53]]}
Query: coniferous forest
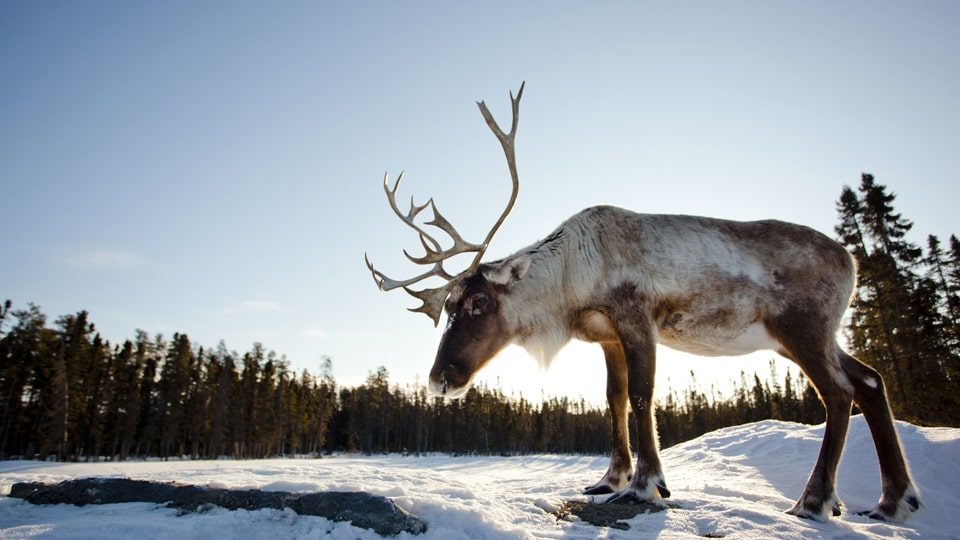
{"points": [[67, 394]]}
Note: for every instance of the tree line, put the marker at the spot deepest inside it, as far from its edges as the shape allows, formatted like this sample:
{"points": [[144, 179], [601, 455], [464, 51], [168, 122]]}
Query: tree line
{"points": [[68, 394]]}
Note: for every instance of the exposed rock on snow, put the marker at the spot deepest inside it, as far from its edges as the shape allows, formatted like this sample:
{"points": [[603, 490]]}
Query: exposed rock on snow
{"points": [[607, 515], [364, 510]]}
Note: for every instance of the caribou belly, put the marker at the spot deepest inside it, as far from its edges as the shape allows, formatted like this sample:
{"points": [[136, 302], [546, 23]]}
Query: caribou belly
{"points": [[714, 341]]}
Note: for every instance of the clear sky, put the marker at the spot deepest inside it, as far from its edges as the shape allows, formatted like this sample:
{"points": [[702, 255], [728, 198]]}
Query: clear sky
{"points": [[214, 168]]}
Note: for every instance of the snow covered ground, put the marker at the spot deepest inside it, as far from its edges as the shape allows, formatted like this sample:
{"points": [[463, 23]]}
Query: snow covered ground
{"points": [[732, 483]]}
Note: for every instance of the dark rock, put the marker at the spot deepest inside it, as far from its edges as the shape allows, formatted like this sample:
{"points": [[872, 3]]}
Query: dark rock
{"points": [[607, 515], [364, 510]]}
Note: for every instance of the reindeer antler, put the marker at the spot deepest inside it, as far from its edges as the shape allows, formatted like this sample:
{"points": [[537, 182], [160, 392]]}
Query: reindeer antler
{"points": [[433, 299]]}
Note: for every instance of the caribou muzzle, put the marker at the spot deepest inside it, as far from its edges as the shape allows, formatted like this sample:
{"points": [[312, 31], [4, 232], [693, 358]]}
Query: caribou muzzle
{"points": [[448, 381], [449, 377]]}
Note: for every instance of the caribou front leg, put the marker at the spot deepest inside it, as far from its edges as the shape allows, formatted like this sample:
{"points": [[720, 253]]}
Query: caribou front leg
{"points": [[639, 347], [618, 473]]}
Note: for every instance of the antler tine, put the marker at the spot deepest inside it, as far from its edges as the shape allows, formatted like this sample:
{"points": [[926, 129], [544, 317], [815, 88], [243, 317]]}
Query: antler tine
{"points": [[437, 255], [432, 300], [411, 214], [433, 248], [507, 141], [386, 283]]}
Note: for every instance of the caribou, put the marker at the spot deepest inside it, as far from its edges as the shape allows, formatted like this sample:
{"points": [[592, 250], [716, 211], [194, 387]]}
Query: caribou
{"points": [[628, 281]]}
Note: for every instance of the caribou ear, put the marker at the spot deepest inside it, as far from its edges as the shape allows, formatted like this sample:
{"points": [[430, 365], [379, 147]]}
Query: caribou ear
{"points": [[507, 272]]}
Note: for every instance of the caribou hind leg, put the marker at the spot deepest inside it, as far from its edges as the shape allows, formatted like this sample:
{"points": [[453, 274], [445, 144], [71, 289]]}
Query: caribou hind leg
{"points": [[822, 367], [841, 380], [899, 497], [819, 494], [621, 467]]}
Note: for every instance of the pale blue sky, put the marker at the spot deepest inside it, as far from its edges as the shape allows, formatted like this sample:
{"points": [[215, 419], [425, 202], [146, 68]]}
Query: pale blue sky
{"points": [[214, 168]]}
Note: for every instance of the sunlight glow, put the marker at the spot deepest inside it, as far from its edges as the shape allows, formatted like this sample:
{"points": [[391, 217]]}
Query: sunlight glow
{"points": [[579, 371]]}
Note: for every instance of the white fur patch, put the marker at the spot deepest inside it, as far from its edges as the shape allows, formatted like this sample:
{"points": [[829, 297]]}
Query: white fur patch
{"points": [[838, 374], [545, 345], [754, 338], [707, 341]]}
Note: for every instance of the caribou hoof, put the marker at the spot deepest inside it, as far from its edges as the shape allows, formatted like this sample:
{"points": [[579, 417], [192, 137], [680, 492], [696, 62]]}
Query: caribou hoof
{"points": [[599, 489], [816, 512], [627, 496], [664, 492], [896, 513], [608, 484], [632, 495]]}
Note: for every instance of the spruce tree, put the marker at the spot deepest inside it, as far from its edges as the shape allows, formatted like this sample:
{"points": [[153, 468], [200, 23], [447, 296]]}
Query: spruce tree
{"points": [[870, 329], [902, 322]]}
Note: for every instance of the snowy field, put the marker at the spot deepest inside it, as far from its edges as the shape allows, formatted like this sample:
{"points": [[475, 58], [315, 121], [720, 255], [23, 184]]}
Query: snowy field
{"points": [[732, 483]]}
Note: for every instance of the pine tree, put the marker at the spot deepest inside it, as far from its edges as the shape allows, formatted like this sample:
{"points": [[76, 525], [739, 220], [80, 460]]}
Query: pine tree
{"points": [[172, 387], [124, 406], [871, 327], [63, 405], [952, 266], [875, 234], [265, 411], [148, 361], [25, 370], [248, 406], [321, 408], [945, 273], [221, 378], [901, 321], [197, 421]]}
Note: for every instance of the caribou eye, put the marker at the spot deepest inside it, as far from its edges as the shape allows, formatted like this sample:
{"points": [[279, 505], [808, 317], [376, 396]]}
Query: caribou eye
{"points": [[478, 304]]}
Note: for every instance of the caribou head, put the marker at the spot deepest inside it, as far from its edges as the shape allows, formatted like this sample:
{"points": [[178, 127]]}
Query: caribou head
{"points": [[474, 332]]}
